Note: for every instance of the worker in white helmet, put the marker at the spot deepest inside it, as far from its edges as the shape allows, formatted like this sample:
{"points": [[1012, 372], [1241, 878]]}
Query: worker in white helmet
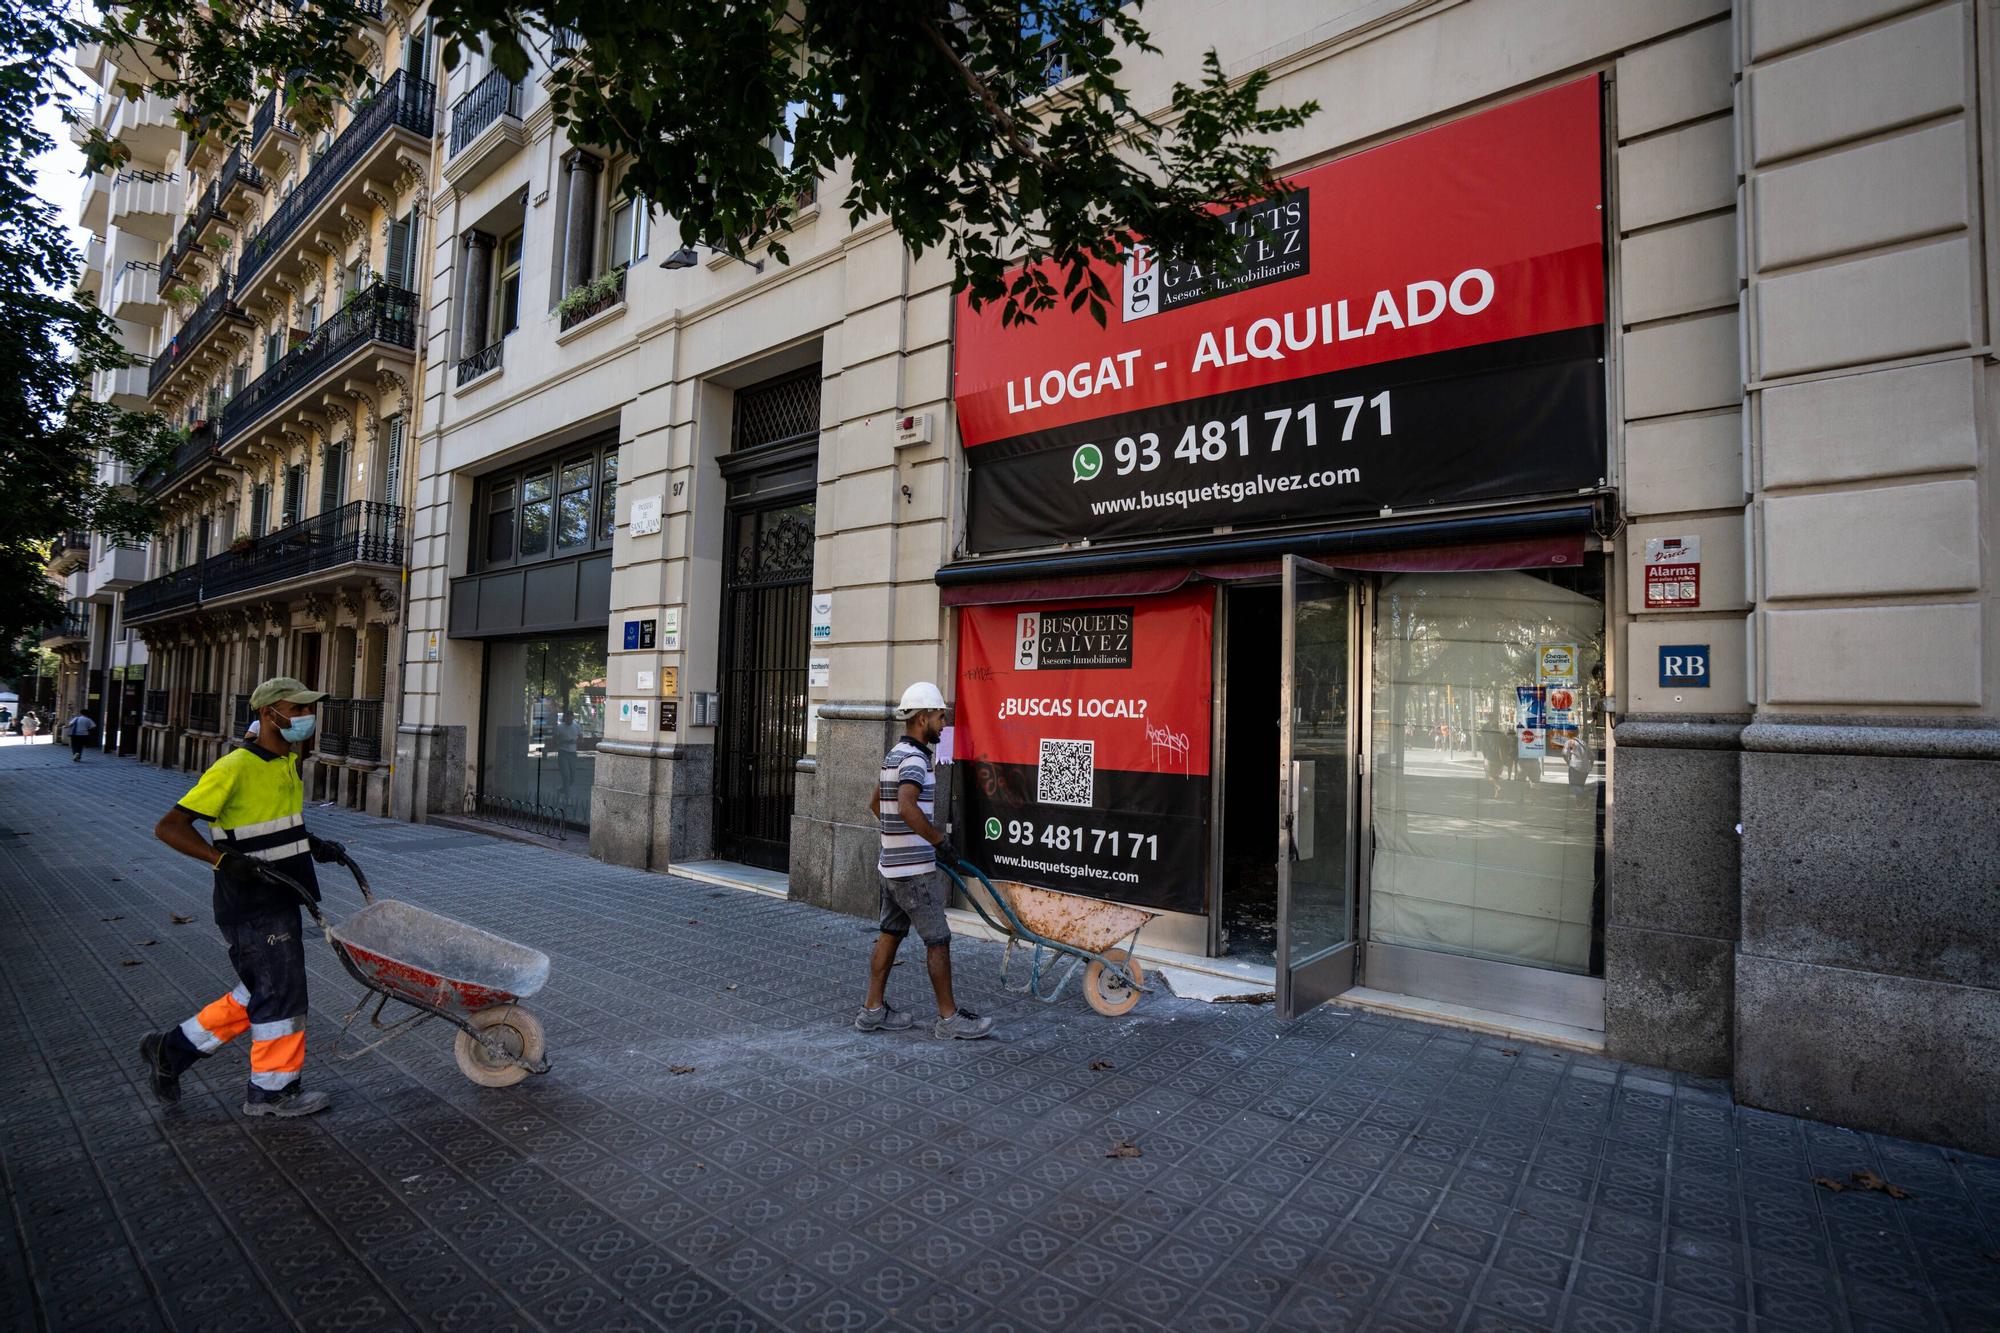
{"points": [[914, 890]]}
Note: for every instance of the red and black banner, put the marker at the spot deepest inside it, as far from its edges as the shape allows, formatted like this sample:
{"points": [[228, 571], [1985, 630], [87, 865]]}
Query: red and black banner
{"points": [[1082, 739], [1418, 324]]}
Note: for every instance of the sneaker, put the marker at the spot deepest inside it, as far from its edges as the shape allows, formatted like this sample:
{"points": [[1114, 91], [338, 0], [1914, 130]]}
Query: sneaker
{"points": [[884, 1019], [963, 1026], [286, 1108], [152, 1053]]}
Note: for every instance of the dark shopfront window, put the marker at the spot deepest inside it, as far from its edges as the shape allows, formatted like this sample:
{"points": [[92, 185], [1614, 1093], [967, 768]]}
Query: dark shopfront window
{"points": [[560, 504], [544, 715]]}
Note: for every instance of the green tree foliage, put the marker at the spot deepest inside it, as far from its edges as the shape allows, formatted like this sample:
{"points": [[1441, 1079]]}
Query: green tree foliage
{"points": [[999, 130], [52, 341]]}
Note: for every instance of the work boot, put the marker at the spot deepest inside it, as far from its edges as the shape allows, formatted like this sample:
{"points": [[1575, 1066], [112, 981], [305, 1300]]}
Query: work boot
{"points": [[885, 1019], [152, 1054], [293, 1105], [963, 1026]]}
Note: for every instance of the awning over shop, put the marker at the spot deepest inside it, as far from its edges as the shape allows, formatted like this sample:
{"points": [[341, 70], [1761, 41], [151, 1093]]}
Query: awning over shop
{"points": [[1538, 540]]}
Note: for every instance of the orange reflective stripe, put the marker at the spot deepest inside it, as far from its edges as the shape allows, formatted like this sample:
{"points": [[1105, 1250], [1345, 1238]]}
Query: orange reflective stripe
{"points": [[224, 1019], [280, 1055]]}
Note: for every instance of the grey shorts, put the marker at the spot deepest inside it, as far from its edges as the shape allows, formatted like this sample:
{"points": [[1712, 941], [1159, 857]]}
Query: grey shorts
{"points": [[917, 900]]}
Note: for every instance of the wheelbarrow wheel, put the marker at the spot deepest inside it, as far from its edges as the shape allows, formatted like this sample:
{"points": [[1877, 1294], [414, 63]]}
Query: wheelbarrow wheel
{"points": [[1106, 991], [517, 1031]]}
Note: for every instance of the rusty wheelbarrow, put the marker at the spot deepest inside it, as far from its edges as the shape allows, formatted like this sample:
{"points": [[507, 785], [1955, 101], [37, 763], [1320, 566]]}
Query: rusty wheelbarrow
{"points": [[441, 968], [1066, 931]]}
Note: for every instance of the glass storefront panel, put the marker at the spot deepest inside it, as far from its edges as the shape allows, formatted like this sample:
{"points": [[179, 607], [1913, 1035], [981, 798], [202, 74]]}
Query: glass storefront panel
{"points": [[544, 714], [1488, 766]]}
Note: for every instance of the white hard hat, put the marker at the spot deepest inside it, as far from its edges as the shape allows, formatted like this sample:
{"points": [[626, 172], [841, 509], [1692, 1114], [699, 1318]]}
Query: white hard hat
{"points": [[920, 697]]}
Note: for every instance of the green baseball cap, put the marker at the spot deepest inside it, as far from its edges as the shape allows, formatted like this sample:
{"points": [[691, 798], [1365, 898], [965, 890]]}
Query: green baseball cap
{"points": [[283, 689]]}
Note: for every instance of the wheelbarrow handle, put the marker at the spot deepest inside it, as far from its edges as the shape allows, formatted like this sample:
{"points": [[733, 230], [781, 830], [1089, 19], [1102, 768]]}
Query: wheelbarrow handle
{"points": [[282, 880]]}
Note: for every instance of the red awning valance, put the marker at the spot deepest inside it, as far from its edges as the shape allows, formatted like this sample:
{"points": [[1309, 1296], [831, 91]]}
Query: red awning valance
{"points": [[1564, 550]]}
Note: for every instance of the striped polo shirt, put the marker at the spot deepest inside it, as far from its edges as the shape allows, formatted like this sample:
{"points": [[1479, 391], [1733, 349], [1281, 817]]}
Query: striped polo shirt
{"points": [[904, 853], [254, 803]]}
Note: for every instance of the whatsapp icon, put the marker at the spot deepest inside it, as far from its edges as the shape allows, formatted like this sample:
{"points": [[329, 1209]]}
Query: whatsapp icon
{"points": [[992, 830], [1086, 462]]}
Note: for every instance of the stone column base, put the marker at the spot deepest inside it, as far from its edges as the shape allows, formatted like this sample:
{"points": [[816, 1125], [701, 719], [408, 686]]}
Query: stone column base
{"points": [[1670, 916], [835, 840], [1868, 982], [430, 773], [652, 805]]}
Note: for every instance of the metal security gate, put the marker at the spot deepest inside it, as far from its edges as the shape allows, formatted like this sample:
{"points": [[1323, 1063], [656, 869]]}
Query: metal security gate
{"points": [[767, 584]]}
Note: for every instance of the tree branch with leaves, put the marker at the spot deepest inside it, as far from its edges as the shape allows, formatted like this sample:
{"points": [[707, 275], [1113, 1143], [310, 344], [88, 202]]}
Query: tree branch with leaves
{"points": [[942, 114]]}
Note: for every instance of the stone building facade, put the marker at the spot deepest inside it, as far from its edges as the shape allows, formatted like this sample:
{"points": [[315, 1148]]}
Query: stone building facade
{"points": [[270, 282], [679, 528]]}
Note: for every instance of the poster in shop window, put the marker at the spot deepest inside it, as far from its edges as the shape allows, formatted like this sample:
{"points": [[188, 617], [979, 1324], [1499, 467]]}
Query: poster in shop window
{"points": [[1083, 743], [1415, 325]]}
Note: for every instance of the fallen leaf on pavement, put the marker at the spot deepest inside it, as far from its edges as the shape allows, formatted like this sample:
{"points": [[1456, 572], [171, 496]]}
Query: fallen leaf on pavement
{"points": [[1508, 1050], [731, 987], [113, 918], [1100, 1064], [1123, 1148], [180, 920], [680, 1069], [128, 962], [1827, 1182], [148, 943], [1868, 1180]]}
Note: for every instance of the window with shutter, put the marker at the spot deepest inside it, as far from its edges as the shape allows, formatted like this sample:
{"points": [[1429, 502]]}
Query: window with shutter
{"points": [[260, 508], [397, 259], [294, 481], [392, 461], [333, 479]]}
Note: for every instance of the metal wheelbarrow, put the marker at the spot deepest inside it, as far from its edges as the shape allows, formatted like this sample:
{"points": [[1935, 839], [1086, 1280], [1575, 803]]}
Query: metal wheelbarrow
{"points": [[1067, 930], [442, 968]]}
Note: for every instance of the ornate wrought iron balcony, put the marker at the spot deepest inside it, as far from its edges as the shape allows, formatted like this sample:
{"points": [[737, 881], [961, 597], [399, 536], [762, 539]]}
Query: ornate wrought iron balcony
{"points": [[404, 102], [381, 313], [197, 449], [213, 310], [492, 97]]}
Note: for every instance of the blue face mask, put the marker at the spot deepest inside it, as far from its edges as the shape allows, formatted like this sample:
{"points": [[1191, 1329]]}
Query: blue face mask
{"points": [[298, 729]]}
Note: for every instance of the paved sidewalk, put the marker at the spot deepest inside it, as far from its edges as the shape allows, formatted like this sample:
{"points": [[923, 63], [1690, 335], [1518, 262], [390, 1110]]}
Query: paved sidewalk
{"points": [[1343, 1172]]}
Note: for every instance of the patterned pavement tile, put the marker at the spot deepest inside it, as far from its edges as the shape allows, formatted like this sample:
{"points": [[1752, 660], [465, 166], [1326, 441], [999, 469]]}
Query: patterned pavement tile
{"points": [[1347, 1171]]}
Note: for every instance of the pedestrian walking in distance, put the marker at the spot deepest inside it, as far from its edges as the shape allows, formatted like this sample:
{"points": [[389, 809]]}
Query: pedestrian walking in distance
{"points": [[79, 730], [913, 888], [254, 804]]}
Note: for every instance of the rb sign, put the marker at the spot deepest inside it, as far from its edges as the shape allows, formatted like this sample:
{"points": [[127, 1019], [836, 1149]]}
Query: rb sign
{"points": [[1684, 666]]}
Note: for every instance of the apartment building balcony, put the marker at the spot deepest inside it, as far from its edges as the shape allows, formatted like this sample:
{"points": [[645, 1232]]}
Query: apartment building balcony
{"points": [[125, 386], [205, 712], [272, 135], [485, 130], [69, 552], [238, 185], [324, 550], [67, 632], [195, 344], [210, 221], [196, 456], [91, 278], [135, 296], [142, 203], [95, 214], [115, 569], [375, 331], [162, 596], [145, 124], [349, 729], [91, 59], [389, 132]]}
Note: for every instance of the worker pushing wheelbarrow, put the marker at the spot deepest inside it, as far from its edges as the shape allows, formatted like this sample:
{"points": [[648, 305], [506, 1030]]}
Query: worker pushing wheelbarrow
{"points": [[1065, 931], [471, 978]]}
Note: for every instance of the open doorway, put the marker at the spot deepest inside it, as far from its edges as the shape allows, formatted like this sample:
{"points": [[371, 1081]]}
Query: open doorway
{"points": [[1249, 888]]}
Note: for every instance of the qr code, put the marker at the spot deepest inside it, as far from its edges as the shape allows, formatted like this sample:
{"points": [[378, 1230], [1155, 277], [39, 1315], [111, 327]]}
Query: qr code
{"points": [[1067, 773]]}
